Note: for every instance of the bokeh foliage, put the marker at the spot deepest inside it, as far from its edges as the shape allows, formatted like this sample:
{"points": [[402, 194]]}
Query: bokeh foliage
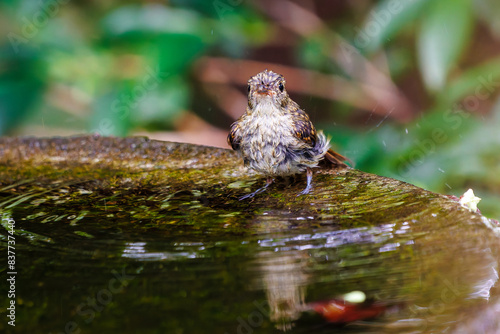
{"points": [[109, 61], [117, 67]]}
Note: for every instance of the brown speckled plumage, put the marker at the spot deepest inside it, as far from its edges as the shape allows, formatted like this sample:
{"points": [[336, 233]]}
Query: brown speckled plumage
{"points": [[274, 136]]}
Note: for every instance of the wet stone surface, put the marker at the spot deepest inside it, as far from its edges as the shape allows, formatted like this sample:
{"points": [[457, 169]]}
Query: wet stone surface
{"points": [[132, 235]]}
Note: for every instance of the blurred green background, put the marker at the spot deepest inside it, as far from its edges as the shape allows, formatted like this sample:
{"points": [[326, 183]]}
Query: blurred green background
{"points": [[406, 88]]}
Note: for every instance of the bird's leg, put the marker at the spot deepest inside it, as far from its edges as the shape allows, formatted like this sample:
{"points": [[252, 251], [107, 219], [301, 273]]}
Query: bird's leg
{"points": [[269, 181], [309, 182]]}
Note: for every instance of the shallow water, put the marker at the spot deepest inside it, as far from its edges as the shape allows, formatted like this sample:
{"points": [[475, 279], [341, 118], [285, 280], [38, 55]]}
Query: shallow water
{"points": [[107, 275]]}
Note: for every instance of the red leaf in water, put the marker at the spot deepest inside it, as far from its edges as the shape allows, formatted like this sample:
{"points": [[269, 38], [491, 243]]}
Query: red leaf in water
{"points": [[339, 311]]}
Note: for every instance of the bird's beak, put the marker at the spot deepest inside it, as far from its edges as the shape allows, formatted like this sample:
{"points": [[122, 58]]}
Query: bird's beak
{"points": [[262, 90]]}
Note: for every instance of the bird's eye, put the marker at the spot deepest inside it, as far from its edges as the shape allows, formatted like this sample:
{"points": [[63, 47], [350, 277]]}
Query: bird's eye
{"points": [[248, 88], [281, 87]]}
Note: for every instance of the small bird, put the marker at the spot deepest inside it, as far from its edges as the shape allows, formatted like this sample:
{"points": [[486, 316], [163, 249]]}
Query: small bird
{"points": [[275, 137]]}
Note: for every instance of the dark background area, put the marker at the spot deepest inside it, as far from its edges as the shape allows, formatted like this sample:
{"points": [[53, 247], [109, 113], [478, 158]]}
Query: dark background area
{"points": [[406, 88]]}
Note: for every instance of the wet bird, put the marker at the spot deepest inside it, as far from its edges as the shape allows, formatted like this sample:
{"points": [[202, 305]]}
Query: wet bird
{"points": [[275, 136]]}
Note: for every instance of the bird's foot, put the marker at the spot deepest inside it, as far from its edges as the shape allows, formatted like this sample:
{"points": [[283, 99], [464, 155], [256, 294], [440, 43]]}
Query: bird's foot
{"points": [[309, 183], [305, 191], [258, 191]]}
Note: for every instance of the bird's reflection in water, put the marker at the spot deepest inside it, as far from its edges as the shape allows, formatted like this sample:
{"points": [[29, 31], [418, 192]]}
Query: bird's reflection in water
{"points": [[284, 280]]}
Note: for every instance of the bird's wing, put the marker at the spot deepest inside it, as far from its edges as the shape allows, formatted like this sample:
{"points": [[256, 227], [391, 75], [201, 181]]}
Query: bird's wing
{"points": [[303, 128], [234, 138]]}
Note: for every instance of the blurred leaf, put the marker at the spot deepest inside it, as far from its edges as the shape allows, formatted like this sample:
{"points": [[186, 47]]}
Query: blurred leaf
{"points": [[445, 31], [160, 106], [151, 18], [375, 150], [176, 52], [400, 61], [441, 127], [218, 9], [21, 84], [203, 6], [112, 111], [311, 52], [453, 163], [61, 34], [9, 2], [238, 30], [173, 38], [386, 20], [149, 100], [16, 98], [482, 81]]}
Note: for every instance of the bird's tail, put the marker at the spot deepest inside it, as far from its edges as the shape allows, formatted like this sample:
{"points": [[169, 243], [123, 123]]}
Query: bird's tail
{"points": [[333, 158]]}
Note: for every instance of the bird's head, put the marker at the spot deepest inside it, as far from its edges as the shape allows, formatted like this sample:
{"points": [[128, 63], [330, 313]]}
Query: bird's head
{"points": [[267, 87]]}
